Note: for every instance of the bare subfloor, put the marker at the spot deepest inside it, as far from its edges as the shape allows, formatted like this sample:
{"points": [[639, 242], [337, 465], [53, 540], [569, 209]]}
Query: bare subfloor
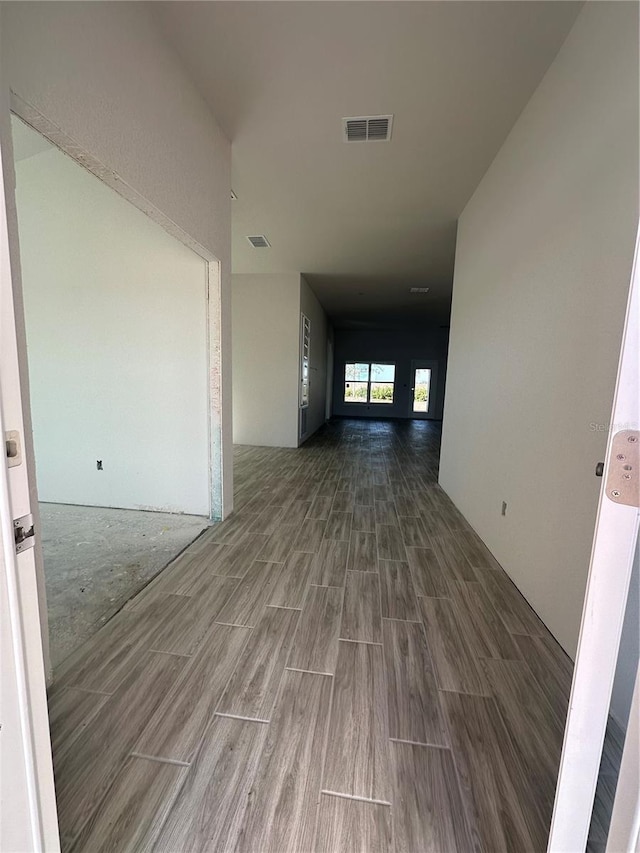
{"points": [[96, 559]]}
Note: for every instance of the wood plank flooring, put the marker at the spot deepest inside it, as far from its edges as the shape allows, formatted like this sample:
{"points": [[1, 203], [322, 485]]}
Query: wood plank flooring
{"points": [[339, 666]]}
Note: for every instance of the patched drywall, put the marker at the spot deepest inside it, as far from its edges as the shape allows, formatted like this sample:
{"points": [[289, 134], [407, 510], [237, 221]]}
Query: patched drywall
{"points": [[543, 265], [116, 339]]}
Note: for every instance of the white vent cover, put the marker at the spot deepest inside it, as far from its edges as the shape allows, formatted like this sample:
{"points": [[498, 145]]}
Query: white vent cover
{"points": [[259, 241], [367, 128]]}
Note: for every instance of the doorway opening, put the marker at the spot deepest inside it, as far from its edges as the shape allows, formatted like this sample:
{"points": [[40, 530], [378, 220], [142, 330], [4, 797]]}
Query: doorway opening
{"points": [[423, 388], [117, 332]]}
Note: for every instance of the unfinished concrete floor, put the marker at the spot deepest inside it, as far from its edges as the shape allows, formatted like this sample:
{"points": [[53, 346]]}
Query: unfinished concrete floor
{"points": [[96, 559]]}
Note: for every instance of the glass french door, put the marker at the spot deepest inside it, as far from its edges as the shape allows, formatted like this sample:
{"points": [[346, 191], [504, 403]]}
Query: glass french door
{"points": [[423, 388]]}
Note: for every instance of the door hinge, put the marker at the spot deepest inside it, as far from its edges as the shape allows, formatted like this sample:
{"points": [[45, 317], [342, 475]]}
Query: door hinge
{"points": [[623, 479], [23, 533]]}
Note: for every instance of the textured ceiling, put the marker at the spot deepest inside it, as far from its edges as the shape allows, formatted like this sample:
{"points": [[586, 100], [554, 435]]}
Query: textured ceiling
{"points": [[363, 221]]}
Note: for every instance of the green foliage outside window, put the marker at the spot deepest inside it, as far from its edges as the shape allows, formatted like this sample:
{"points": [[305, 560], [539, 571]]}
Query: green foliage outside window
{"points": [[355, 392], [382, 392]]}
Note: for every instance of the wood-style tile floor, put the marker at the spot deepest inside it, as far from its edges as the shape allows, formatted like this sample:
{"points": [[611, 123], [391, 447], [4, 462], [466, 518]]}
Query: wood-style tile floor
{"points": [[340, 666]]}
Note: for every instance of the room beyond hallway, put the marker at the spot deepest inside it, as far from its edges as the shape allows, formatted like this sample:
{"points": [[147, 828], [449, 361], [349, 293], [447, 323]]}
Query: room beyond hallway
{"points": [[341, 665], [116, 336]]}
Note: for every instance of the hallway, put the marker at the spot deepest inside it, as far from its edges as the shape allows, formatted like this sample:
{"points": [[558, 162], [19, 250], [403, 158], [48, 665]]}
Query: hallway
{"points": [[340, 666]]}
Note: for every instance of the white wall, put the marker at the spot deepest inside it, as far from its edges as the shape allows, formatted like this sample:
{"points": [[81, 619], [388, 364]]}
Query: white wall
{"points": [[266, 359], [116, 339], [542, 271], [104, 75], [311, 307], [266, 343]]}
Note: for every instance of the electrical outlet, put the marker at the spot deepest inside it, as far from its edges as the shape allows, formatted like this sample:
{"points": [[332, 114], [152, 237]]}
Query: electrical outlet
{"points": [[504, 507]]}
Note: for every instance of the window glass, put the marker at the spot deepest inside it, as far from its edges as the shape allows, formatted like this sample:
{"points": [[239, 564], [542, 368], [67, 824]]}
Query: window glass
{"points": [[356, 372], [381, 392], [355, 392], [369, 382], [383, 372]]}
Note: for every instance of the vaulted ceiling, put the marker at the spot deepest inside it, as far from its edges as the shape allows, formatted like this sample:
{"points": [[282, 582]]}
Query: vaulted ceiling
{"points": [[364, 222]]}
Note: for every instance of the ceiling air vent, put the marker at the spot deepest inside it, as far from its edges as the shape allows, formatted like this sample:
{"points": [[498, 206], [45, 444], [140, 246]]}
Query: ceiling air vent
{"points": [[367, 128], [259, 241]]}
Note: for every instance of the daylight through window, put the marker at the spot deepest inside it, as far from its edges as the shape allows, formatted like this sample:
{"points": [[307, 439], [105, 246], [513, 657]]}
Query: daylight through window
{"points": [[369, 382]]}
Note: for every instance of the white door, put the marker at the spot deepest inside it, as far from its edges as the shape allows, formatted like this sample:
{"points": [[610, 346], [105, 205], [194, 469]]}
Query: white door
{"points": [[28, 820], [612, 555], [424, 377]]}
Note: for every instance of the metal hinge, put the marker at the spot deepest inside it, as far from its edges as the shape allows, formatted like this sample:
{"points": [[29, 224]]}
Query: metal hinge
{"points": [[623, 479], [23, 533]]}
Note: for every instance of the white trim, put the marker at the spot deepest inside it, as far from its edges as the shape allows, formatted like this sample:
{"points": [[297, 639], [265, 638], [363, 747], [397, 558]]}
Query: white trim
{"points": [[10, 568], [602, 618]]}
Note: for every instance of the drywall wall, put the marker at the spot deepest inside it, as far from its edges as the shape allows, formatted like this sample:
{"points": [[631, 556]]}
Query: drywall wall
{"points": [[266, 345], [542, 272], [400, 346], [266, 359], [316, 410], [116, 338], [104, 75]]}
